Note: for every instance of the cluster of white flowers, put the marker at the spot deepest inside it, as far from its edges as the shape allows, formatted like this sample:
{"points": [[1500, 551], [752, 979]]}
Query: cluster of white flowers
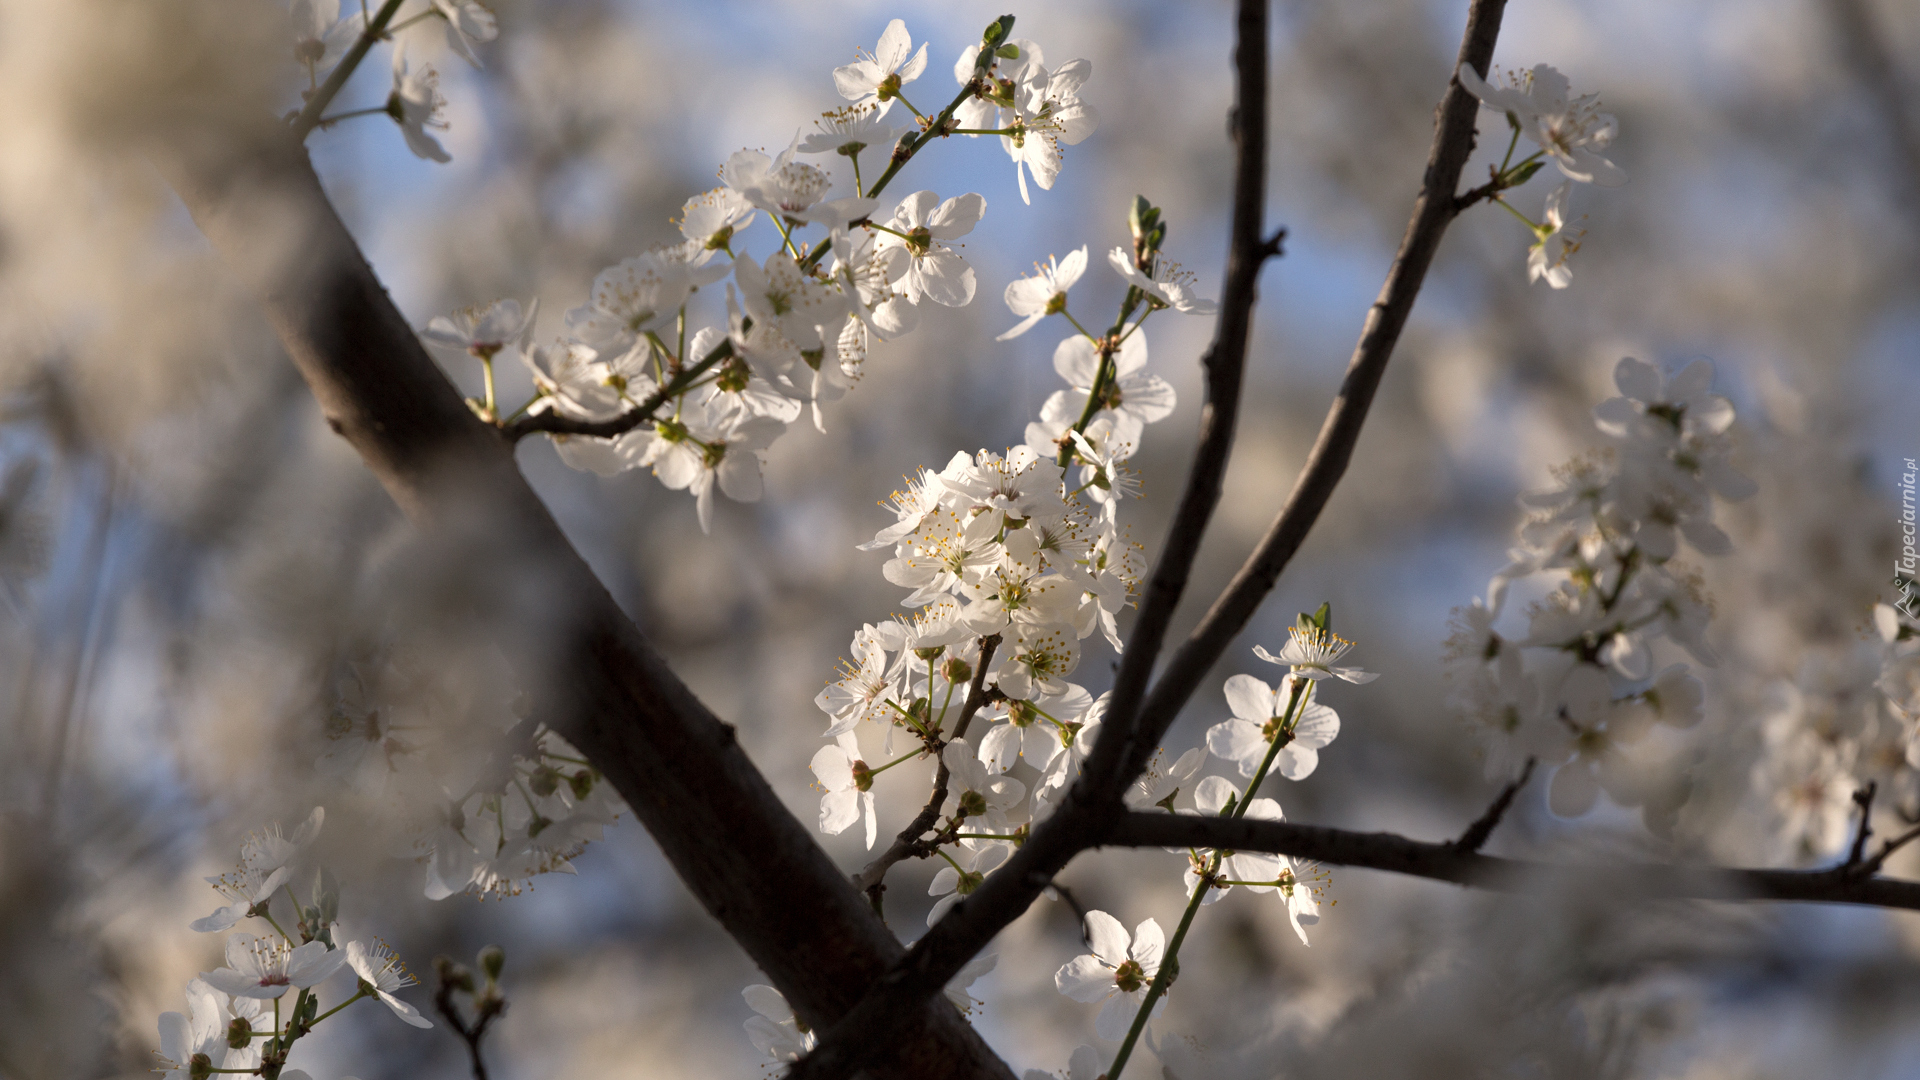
{"points": [[322, 38], [1017, 559], [1580, 691], [704, 403], [480, 821], [234, 1019], [1571, 132], [1273, 728], [1849, 718]]}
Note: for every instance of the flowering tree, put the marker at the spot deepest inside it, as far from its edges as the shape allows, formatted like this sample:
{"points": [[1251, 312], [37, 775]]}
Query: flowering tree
{"points": [[760, 308]]}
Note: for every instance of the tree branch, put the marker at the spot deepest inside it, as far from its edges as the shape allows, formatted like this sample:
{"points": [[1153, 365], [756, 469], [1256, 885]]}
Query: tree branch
{"points": [[553, 423], [1449, 862], [1095, 798], [1872, 64], [907, 844], [599, 682], [1433, 211], [1476, 835]]}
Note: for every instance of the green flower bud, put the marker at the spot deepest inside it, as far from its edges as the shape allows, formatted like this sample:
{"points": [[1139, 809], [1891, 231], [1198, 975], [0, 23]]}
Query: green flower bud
{"points": [[492, 960], [582, 783]]}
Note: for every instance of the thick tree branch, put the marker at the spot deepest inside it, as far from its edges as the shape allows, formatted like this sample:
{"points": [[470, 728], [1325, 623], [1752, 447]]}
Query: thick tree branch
{"points": [[1095, 798], [1864, 45], [1842, 884], [1433, 211], [598, 681]]}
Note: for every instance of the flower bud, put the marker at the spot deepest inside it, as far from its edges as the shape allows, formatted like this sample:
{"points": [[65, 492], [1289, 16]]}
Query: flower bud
{"points": [[492, 960], [996, 32], [956, 670], [582, 783], [452, 974], [544, 781], [239, 1033]]}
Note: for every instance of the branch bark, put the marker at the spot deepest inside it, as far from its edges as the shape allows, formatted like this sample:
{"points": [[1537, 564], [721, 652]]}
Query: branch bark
{"points": [[751, 864], [1433, 211], [1872, 64], [1095, 798], [1845, 884]]}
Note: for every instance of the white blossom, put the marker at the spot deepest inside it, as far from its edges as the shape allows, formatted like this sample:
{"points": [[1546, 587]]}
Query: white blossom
{"points": [[382, 972], [1045, 292], [415, 105], [1116, 973], [1570, 129], [876, 77]]}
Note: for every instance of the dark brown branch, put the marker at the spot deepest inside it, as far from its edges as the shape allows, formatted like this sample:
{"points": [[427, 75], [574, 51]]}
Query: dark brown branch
{"points": [[1107, 770], [907, 844], [1869, 60], [1073, 903], [598, 681], [1008, 892], [1476, 835], [1887, 848], [553, 423], [488, 1006], [1864, 800], [1448, 862], [1433, 211]]}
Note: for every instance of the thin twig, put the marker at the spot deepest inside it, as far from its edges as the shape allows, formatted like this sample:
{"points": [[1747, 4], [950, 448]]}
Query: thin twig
{"points": [[907, 844], [309, 116], [487, 1008], [1872, 866], [1476, 835], [864, 1033], [1864, 800], [553, 423], [1433, 211], [603, 687], [1073, 902], [1448, 862]]}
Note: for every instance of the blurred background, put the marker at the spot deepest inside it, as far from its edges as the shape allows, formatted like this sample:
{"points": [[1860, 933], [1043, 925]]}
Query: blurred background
{"points": [[188, 557]]}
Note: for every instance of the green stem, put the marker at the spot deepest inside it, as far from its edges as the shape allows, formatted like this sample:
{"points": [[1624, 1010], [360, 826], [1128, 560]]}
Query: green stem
{"points": [[1511, 143], [268, 915], [1529, 221], [1077, 326], [1287, 722], [1170, 960], [1169, 967], [316, 106], [855, 158], [895, 761], [1105, 374], [340, 1006], [908, 717], [486, 365], [915, 143], [981, 131]]}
